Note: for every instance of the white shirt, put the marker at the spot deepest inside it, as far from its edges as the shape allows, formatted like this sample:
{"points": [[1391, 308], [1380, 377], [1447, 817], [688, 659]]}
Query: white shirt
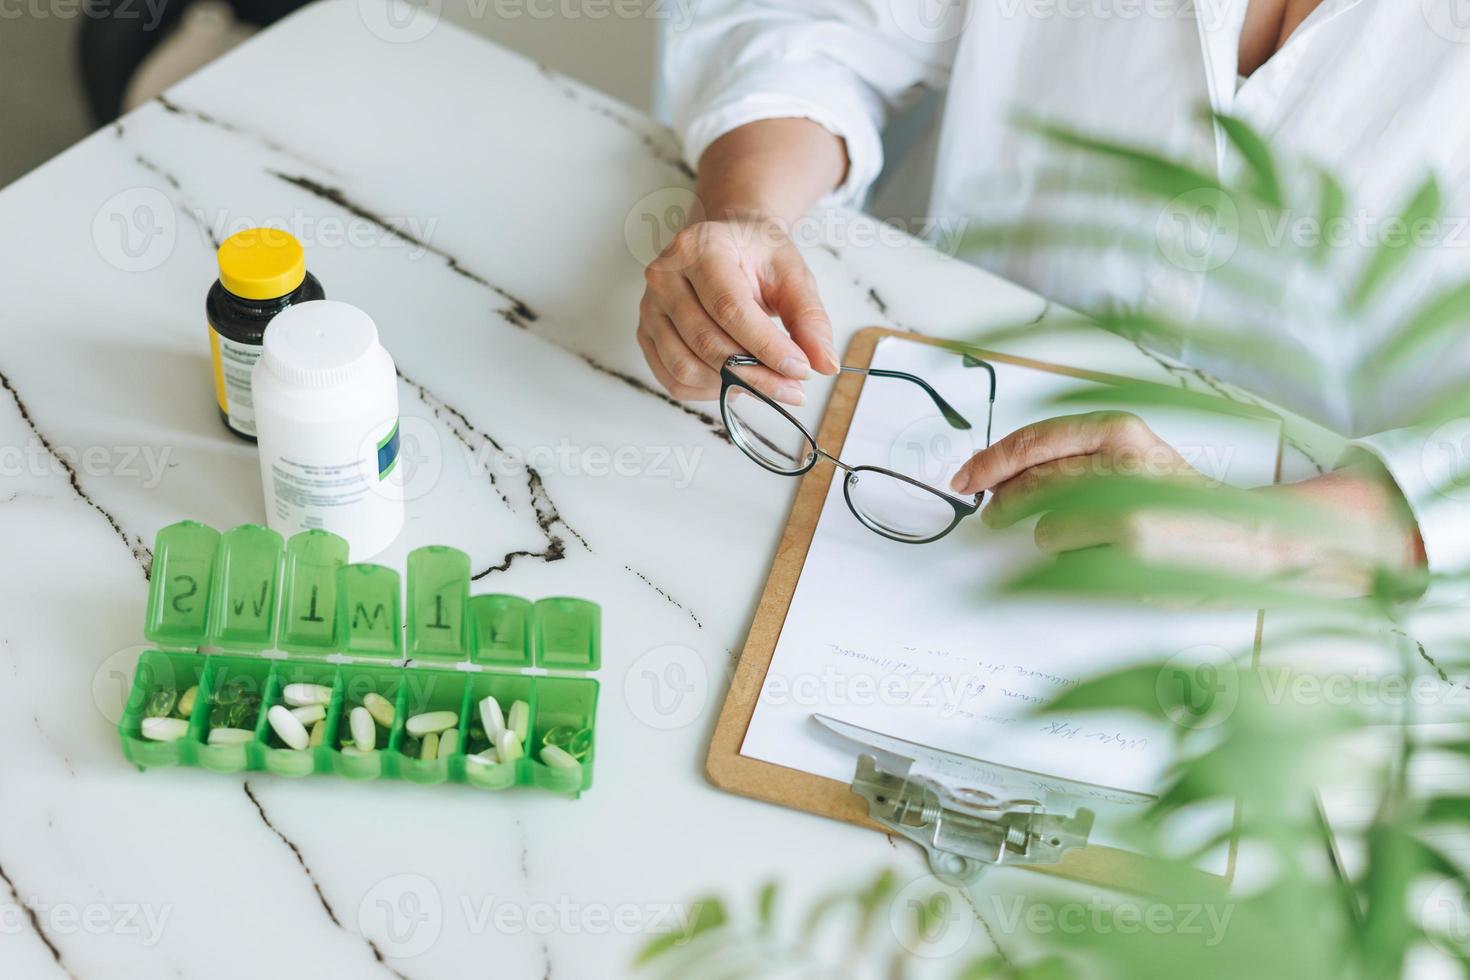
{"points": [[1376, 91]]}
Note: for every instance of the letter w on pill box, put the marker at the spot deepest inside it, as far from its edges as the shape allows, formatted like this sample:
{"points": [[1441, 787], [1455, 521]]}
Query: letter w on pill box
{"points": [[244, 622]]}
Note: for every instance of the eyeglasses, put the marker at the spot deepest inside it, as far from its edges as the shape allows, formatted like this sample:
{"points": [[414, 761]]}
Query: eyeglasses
{"points": [[887, 502]]}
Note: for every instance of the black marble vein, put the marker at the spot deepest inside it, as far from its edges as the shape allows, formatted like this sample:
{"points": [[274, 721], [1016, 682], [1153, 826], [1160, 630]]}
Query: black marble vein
{"points": [[142, 554], [183, 205], [661, 144], [1184, 373], [35, 923], [518, 312], [711, 422], [549, 520], [876, 301], [321, 895], [235, 129], [1433, 664], [668, 598], [526, 880]]}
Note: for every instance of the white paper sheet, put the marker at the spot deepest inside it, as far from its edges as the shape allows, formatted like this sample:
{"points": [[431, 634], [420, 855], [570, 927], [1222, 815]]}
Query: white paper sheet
{"points": [[911, 640]]}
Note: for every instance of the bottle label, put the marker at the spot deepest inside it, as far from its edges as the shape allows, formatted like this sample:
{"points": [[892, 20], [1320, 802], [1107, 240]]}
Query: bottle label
{"points": [[388, 453], [346, 486], [232, 363]]}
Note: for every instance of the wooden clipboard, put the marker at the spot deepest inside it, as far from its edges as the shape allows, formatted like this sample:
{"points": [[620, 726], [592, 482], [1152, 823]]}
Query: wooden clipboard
{"points": [[755, 778]]}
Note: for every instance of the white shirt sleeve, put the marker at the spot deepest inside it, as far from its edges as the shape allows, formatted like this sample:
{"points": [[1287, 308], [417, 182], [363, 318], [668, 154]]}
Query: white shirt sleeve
{"points": [[846, 64], [1431, 465]]}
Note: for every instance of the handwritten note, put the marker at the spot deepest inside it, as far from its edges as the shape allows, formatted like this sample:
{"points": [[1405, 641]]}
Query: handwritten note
{"points": [[915, 641]]}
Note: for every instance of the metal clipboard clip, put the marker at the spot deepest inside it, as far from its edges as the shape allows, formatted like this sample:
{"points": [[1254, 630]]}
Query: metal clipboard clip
{"points": [[968, 814]]}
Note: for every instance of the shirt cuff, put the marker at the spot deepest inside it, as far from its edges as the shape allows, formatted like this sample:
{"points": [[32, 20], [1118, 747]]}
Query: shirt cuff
{"points": [[828, 94], [1434, 477]]}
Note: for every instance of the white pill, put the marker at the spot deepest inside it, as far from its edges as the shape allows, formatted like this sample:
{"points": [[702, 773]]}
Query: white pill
{"points": [[284, 723], [379, 707], [486, 758], [309, 714], [298, 695], [361, 724], [164, 729], [508, 747], [429, 748], [431, 721], [353, 752], [448, 743], [230, 736], [520, 720], [318, 734], [559, 758], [492, 718]]}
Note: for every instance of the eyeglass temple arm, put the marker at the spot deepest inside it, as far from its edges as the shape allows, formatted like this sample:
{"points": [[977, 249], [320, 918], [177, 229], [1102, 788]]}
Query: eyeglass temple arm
{"points": [[951, 415]]}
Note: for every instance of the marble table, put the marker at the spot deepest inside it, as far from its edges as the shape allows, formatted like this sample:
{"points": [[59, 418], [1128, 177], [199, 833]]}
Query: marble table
{"points": [[493, 217]]}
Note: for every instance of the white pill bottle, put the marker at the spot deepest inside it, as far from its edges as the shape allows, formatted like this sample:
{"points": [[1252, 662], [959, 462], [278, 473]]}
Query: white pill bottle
{"points": [[326, 404]]}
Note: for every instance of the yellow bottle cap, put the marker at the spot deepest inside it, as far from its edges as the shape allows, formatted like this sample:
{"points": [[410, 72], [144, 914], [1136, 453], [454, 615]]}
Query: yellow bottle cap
{"points": [[261, 263]]}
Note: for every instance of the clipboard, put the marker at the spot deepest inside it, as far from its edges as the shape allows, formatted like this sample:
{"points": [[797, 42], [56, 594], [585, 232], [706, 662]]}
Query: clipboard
{"points": [[733, 772]]}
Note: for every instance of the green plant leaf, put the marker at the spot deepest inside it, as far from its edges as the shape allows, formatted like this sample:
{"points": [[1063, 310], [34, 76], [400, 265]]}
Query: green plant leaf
{"points": [[1447, 809], [709, 914], [870, 900], [1331, 206], [1131, 689], [766, 906], [1151, 173], [1390, 255], [1266, 184], [1445, 313], [1143, 394]]}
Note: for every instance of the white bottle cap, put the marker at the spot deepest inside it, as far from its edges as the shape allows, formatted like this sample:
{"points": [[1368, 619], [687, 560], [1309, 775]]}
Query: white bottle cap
{"points": [[319, 344]]}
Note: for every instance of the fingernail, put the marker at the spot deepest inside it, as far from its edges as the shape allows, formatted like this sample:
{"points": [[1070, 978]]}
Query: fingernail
{"points": [[831, 353], [795, 367], [791, 395]]}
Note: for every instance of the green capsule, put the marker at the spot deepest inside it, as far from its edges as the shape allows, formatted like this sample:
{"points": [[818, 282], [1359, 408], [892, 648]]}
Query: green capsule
{"points": [[161, 703]]}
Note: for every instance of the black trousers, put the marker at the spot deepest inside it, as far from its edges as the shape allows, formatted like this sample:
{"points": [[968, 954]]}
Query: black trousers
{"points": [[117, 35]]}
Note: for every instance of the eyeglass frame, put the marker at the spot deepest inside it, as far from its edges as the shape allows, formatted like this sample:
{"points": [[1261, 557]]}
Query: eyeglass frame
{"points": [[962, 508]]}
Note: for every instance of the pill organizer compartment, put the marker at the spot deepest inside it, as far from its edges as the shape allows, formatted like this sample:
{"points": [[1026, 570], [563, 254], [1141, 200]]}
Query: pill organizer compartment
{"points": [[158, 671], [243, 614], [564, 705], [233, 692], [507, 689], [280, 758], [424, 691], [353, 685]]}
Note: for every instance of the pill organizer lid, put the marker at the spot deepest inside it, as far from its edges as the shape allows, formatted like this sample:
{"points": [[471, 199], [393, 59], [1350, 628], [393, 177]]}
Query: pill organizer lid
{"points": [[248, 591], [178, 596], [568, 634]]}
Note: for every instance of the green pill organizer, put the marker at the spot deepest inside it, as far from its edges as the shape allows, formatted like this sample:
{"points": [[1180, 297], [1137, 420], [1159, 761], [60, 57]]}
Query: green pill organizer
{"points": [[241, 614]]}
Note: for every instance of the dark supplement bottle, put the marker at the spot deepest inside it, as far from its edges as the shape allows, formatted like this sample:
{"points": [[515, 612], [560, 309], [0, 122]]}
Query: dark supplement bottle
{"points": [[262, 271]]}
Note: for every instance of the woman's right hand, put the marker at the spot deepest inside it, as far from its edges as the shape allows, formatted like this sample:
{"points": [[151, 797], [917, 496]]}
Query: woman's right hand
{"points": [[713, 292]]}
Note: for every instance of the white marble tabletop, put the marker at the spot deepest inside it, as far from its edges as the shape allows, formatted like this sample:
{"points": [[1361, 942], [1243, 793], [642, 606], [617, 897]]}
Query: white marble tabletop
{"points": [[493, 218]]}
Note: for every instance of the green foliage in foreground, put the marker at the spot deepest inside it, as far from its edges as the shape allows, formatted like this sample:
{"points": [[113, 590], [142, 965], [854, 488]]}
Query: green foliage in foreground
{"points": [[1254, 731]]}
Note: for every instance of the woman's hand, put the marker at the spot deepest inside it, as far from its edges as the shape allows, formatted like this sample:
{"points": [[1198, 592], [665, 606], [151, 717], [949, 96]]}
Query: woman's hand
{"points": [[1364, 528], [712, 293]]}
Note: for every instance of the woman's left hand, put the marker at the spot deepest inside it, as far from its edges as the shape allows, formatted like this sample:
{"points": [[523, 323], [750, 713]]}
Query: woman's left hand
{"points": [[1365, 524]]}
